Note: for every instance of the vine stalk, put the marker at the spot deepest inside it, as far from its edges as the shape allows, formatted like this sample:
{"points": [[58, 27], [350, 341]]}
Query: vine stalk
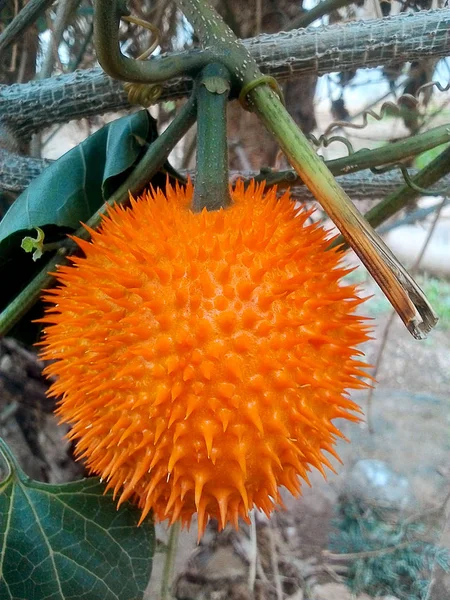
{"points": [[17, 171], [211, 182], [435, 170]]}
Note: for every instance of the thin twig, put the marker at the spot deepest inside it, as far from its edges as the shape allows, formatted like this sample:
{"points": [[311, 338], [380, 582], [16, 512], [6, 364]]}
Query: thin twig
{"points": [[8, 411], [384, 339], [238, 148], [258, 17], [260, 570], [87, 40], [334, 574], [429, 511], [429, 236], [189, 152], [253, 551], [169, 564], [22, 21], [274, 562], [366, 554], [63, 14]]}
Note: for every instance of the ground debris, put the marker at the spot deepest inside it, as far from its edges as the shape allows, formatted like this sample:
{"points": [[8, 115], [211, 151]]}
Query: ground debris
{"points": [[27, 422]]}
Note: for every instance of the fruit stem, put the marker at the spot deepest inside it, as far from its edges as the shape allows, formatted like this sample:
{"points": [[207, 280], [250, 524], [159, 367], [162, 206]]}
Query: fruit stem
{"points": [[211, 189], [150, 163]]}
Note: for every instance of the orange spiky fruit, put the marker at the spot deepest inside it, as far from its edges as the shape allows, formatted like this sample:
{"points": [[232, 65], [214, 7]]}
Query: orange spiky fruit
{"points": [[201, 358]]}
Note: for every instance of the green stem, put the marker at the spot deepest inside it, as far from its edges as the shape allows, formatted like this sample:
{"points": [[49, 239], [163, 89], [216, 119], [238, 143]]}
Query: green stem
{"points": [[106, 37], [169, 564], [150, 163], [10, 460], [28, 297], [435, 170], [429, 175], [306, 162], [392, 152], [365, 159], [211, 181], [220, 47]]}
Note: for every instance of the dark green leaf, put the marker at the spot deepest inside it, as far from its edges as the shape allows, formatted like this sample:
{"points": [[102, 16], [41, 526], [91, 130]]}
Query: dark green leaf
{"points": [[72, 188], [69, 541], [69, 190]]}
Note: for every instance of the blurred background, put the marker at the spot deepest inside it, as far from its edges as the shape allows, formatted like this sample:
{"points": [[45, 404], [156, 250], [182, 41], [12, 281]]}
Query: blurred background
{"points": [[379, 526]]}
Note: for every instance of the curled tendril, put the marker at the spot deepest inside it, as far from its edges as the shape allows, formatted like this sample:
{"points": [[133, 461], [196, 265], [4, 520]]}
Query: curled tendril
{"points": [[387, 109], [326, 141], [441, 88], [150, 27], [140, 93], [406, 101], [271, 82], [407, 178]]}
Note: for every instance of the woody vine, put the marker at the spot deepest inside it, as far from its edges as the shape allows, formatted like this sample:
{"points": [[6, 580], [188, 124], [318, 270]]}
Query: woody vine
{"points": [[210, 410]]}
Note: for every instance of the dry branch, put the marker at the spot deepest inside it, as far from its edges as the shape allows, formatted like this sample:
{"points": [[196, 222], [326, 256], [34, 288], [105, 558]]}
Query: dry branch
{"points": [[17, 172], [30, 107], [24, 19]]}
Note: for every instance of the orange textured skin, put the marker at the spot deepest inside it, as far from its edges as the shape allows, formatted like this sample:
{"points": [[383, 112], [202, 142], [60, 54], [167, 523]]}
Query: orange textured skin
{"points": [[201, 358]]}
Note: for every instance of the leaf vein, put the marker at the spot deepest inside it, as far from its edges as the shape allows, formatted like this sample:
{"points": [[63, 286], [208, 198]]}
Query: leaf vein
{"points": [[49, 548], [7, 528]]}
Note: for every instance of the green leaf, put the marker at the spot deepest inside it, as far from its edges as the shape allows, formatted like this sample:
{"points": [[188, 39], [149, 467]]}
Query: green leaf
{"points": [[63, 542], [70, 190], [74, 187]]}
